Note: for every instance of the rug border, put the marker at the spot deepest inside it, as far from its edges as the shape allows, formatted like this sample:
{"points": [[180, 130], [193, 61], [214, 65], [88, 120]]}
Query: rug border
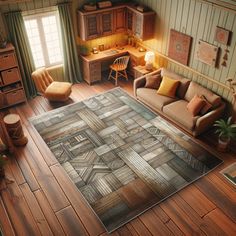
{"points": [[225, 177], [156, 114]]}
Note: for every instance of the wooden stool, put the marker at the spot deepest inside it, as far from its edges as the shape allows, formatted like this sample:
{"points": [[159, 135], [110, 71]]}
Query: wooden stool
{"points": [[14, 129]]}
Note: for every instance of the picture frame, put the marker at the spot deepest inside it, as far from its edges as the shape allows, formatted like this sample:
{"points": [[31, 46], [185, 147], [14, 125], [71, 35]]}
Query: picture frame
{"points": [[179, 46], [207, 53], [222, 35]]}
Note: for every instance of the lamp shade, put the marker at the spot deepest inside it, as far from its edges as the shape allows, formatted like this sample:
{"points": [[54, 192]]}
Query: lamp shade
{"points": [[149, 57]]}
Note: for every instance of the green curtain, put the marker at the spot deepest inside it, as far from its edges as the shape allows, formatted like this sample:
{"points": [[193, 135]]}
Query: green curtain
{"points": [[19, 39], [71, 61]]}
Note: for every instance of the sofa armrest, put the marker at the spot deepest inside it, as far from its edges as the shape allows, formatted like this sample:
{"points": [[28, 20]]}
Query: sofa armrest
{"points": [[140, 82], [207, 120]]}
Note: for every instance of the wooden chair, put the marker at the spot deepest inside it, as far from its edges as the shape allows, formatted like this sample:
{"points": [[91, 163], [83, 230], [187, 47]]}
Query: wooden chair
{"points": [[50, 89], [119, 66]]}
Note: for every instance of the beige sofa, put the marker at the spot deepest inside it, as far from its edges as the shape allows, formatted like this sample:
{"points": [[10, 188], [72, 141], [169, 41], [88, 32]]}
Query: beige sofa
{"points": [[175, 109]]}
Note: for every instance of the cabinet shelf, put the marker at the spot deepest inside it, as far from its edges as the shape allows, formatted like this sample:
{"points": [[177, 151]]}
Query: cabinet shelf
{"points": [[11, 86], [124, 18]]}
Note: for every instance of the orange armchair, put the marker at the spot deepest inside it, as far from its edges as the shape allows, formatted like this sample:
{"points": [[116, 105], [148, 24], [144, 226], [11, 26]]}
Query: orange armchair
{"points": [[50, 89]]}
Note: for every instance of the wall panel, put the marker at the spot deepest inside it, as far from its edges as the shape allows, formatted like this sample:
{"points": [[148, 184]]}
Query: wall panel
{"points": [[199, 20]]}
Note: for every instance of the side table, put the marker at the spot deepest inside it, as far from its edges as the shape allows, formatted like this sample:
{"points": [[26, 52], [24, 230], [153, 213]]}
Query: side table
{"points": [[14, 129], [140, 71]]}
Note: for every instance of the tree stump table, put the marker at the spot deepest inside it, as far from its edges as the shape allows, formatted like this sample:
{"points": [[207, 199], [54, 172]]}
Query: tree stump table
{"points": [[14, 129]]}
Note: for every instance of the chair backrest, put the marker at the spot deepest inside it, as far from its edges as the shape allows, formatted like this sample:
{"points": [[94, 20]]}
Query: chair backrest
{"points": [[122, 61], [42, 79]]}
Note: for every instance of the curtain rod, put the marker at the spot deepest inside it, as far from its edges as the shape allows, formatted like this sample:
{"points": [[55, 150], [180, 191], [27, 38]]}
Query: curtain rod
{"points": [[39, 10]]}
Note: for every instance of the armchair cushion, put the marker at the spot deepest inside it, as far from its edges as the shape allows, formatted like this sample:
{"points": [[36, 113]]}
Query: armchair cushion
{"points": [[58, 91]]}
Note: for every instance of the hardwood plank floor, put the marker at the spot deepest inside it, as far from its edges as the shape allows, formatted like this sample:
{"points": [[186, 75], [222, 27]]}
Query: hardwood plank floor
{"points": [[38, 198]]}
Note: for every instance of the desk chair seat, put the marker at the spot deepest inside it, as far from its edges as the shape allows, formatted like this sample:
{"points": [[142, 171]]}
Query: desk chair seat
{"points": [[50, 89], [119, 66]]}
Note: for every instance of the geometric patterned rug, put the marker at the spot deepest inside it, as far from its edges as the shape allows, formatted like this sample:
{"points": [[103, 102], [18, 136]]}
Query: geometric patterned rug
{"points": [[122, 157]]}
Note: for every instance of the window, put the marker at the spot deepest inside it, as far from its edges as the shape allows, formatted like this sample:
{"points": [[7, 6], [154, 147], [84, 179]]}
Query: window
{"points": [[45, 43]]}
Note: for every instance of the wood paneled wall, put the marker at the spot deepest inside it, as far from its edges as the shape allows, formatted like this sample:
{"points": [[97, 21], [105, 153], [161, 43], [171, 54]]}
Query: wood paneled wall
{"points": [[199, 20], [193, 17]]}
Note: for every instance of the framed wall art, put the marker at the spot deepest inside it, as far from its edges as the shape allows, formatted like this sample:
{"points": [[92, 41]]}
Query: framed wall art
{"points": [[179, 46], [207, 53], [222, 35]]}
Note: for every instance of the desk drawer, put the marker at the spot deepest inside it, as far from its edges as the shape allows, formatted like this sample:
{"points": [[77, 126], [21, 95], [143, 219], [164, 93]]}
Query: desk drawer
{"points": [[7, 60], [95, 66], [10, 76]]}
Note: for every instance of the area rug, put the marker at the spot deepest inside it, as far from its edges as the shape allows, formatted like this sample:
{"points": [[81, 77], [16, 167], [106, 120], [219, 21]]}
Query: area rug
{"points": [[122, 157]]}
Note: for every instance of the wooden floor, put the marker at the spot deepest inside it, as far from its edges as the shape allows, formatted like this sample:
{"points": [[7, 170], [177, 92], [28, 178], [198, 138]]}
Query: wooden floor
{"points": [[37, 197]]}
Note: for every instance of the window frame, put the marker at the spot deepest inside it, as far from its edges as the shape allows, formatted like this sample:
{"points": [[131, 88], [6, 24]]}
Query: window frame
{"points": [[38, 17]]}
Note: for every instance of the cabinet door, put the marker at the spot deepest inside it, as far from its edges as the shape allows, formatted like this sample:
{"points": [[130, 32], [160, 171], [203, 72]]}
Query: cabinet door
{"points": [[92, 26], [106, 23], [119, 20], [130, 21], [138, 26]]}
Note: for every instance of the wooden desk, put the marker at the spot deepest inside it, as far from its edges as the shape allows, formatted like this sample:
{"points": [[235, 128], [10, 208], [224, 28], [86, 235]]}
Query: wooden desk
{"points": [[93, 64]]}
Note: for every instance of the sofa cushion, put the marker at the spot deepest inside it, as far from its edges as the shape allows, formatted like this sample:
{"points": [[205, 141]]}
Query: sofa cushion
{"points": [[178, 111], [195, 88], [195, 105], [150, 97], [183, 85], [153, 81], [206, 107], [168, 87]]}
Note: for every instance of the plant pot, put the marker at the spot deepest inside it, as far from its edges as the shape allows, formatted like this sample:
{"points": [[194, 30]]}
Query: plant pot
{"points": [[223, 144]]}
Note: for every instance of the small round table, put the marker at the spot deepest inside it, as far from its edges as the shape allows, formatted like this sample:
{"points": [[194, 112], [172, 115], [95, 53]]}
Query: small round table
{"points": [[14, 129]]}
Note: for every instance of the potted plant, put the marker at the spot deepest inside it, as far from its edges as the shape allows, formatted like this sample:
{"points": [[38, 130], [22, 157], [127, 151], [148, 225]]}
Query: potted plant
{"points": [[84, 50], [3, 160], [226, 131], [3, 40]]}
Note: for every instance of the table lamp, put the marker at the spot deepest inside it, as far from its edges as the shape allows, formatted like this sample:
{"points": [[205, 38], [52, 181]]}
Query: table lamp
{"points": [[149, 58]]}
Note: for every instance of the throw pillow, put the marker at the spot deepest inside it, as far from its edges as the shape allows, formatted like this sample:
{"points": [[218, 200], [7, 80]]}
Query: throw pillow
{"points": [[206, 107], [153, 81], [195, 105], [168, 87]]}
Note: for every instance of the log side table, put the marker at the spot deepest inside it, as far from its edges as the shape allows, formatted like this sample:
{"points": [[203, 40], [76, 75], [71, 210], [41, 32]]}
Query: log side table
{"points": [[14, 129]]}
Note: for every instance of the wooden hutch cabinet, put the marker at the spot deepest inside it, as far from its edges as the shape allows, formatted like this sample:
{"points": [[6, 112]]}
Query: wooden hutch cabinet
{"points": [[130, 21], [119, 20], [92, 26], [11, 86], [116, 19], [140, 24], [106, 23]]}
